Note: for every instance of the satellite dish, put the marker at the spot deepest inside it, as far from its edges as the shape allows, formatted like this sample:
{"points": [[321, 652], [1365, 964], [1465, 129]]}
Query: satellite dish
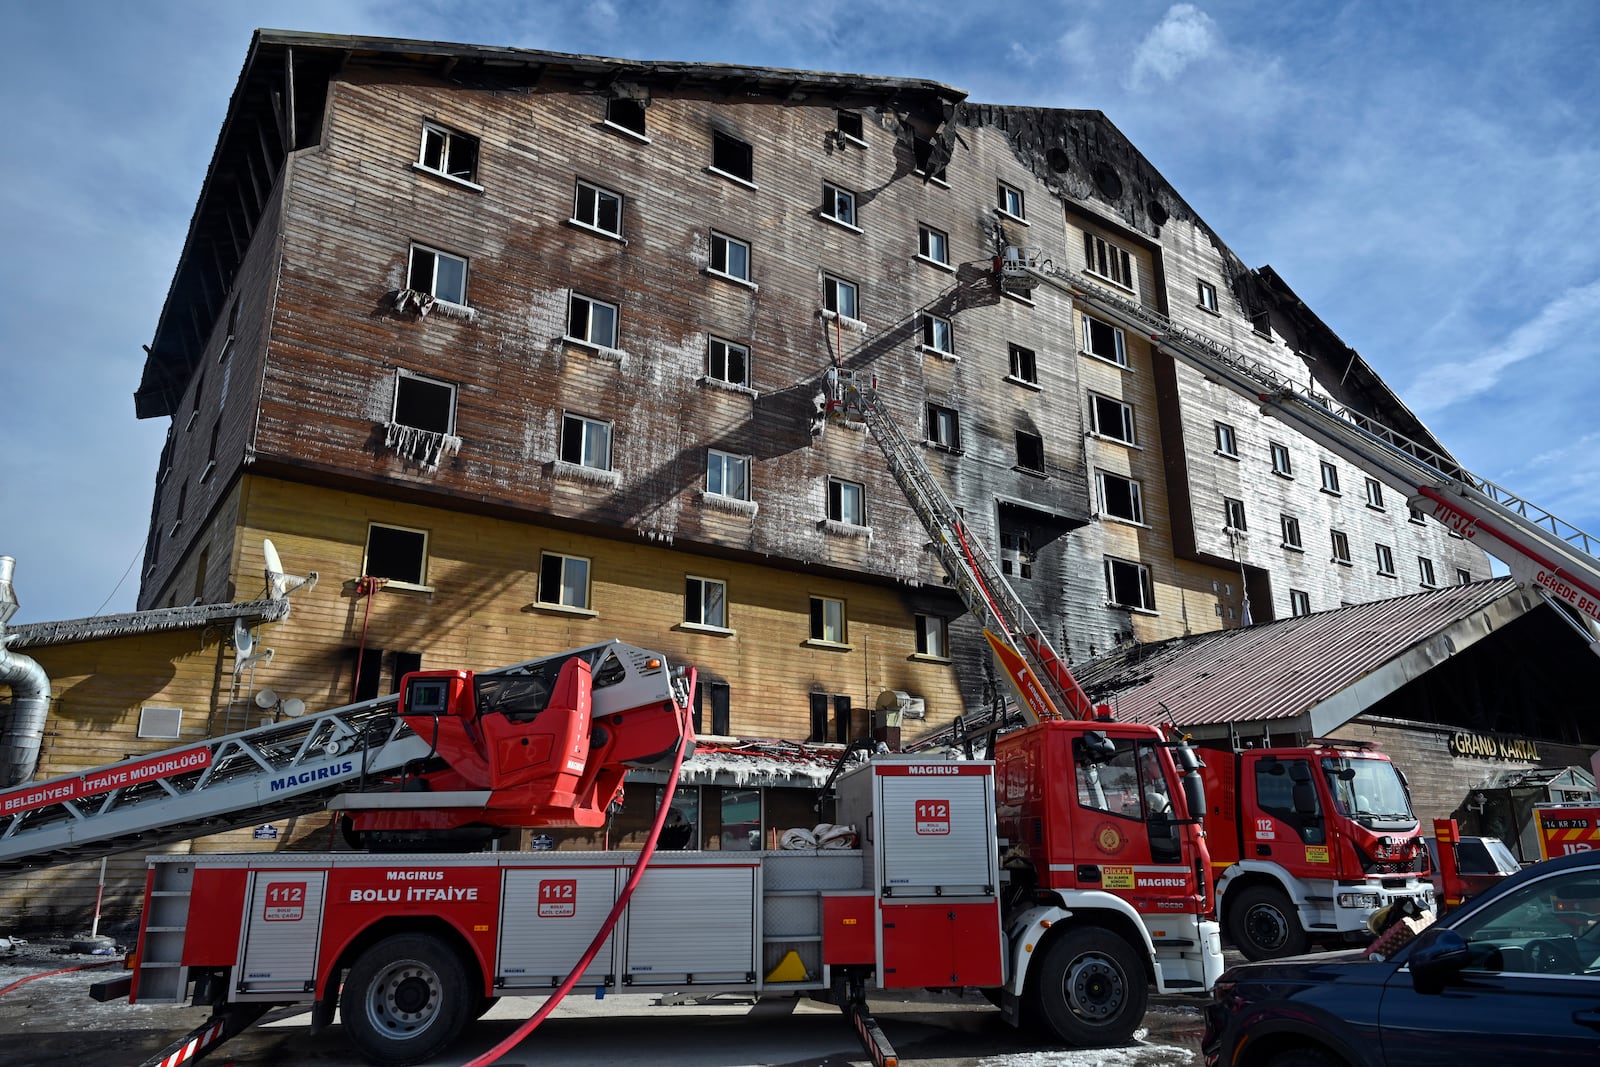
{"points": [[275, 571], [294, 707], [266, 698], [243, 640]]}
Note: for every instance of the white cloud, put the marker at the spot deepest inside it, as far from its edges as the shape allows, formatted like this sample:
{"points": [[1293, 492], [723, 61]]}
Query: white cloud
{"points": [[1183, 36], [1451, 383]]}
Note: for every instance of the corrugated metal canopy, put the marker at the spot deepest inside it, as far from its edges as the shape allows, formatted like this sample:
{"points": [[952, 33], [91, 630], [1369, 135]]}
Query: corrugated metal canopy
{"points": [[1326, 668], [135, 623]]}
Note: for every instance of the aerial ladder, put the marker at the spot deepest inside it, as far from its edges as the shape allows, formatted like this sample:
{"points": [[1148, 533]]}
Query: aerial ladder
{"points": [[1541, 550]]}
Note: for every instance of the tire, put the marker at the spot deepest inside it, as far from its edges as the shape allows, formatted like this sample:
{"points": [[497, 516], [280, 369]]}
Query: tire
{"points": [[483, 1006], [1308, 1056], [1090, 990], [405, 1000], [1263, 924]]}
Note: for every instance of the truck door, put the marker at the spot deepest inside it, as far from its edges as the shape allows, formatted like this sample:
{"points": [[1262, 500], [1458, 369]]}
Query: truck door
{"points": [[1287, 823], [1121, 782]]}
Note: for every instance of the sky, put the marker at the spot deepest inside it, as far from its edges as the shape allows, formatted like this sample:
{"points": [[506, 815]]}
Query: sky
{"points": [[1425, 176]]}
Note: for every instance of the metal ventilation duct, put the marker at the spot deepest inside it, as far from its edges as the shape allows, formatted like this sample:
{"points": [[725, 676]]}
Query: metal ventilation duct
{"points": [[30, 695]]}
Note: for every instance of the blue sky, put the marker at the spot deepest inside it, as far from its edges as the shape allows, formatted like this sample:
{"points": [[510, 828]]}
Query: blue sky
{"points": [[1425, 176]]}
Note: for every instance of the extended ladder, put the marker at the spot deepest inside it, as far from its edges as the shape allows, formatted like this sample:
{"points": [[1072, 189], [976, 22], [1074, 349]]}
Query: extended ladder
{"points": [[1044, 685], [1555, 557]]}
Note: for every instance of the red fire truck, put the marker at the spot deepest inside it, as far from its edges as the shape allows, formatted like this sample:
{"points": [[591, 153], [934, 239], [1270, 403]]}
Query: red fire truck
{"points": [[1567, 828], [1307, 843]]}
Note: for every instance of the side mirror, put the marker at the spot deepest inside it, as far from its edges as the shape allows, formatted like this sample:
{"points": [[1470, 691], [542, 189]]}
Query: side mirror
{"points": [[1436, 957]]}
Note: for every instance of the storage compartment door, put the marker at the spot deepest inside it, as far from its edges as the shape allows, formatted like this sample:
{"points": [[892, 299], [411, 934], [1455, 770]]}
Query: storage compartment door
{"points": [[937, 835], [941, 945], [548, 918], [283, 929], [693, 925]]}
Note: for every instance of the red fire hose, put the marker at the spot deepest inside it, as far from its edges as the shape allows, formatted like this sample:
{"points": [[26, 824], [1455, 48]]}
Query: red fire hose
{"points": [[571, 980], [52, 974]]}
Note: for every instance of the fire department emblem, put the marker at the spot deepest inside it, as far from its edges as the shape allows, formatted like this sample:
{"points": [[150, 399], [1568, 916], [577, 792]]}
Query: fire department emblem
{"points": [[1109, 839]]}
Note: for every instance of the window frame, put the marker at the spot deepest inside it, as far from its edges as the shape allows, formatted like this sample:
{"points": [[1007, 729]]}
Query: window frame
{"points": [[716, 457], [1033, 438], [1002, 201], [941, 419], [1330, 478], [1426, 575], [1109, 261], [545, 558], [922, 156], [1233, 514], [1299, 603], [932, 636], [727, 243], [839, 491], [584, 423], [433, 281], [728, 347], [819, 625], [1290, 527], [1127, 433], [933, 245], [1135, 497], [641, 131], [590, 303], [600, 195], [1227, 440], [401, 377], [391, 582], [832, 286], [1341, 547], [1014, 354], [1206, 297], [1119, 341], [448, 135], [851, 125], [1385, 556], [1374, 489], [1141, 574], [835, 196], [745, 172], [701, 602], [1282, 462], [934, 329]]}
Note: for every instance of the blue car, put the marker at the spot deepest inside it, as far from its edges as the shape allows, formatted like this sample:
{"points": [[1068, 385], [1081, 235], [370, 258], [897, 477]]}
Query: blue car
{"points": [[1511, 978]]}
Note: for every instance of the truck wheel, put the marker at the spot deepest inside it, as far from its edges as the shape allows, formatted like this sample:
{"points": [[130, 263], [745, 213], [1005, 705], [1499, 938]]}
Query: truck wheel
{"points": [[1090, 990], [405, 1000], [1263, 924]]}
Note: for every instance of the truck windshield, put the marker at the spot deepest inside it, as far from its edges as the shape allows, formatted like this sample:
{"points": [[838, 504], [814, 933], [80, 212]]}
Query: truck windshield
{"points": [[1367, 790]]}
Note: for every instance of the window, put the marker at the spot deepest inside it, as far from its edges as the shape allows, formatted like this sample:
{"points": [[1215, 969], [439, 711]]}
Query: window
{"points": [[827, 620], [944, 427], [1463, 577], [1233, 514], [1299, 602], [1119, 497], [936, 334], [1341, 546], [705, 602], [1111, 418], [839, 204], [1544, 928], [1374, 494], [741, 808], [444, 151], [839, 297], [933, 244], [1024, 364], [732, 157], [1291, 531], [727, 361], [1016, 554], [1227, 443], [1105, 341], [932, 638], [925, 155], [628, 114], [819, 717], [727, 474], [1330, 478], [597, 208], [1385, 560], [1416, 516], [1030, 451], [1280, 460], [586, 442], [439, 274], [846, 502], [424, 403], [1261, 323], [592, 321], [1207, 297], [1009, 200], [211, 448], [396, 553], [564, 580], [1128, 585], [730, 256], [1107, 260], [1425, 571], [851, 126]]}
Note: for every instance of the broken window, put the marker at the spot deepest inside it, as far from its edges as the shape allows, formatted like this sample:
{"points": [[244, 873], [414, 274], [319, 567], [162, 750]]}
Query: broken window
{"points": [[851, 126], [839, 297], [586, 441], [1280, 460], [1207, 297], [705, 602], [1016, 554], [839, 204], [628, 114], [1227, 443], [563, 580], [396, 553], [730, 256], [1009, 199], [928, 164], [932, 637], [827, 620], [424, 403], [1291, 531], [1299, 602], [727, 474], [592, 321], [1341, 546], [1024, 364], [1425, 571], [438, 274], [1111, 418], [1119, 497], [1233, 514], [448, 152], [597, 208], [944, 427], [732, 157], [933, 244], [1104, 341], [1128, 584], [728, 361], [1107, 260], [936, 334], [1330, 478], [1030, 451], [1374, 494], [819, 717], [847, 502]]}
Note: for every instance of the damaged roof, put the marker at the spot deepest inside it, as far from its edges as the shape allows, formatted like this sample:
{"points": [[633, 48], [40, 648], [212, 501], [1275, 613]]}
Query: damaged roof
{"points": [[136, 623], [1322, 669]]}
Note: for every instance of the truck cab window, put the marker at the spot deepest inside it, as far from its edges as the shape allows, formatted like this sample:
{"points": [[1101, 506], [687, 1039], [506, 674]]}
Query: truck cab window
{"points": [[1284, 790]]}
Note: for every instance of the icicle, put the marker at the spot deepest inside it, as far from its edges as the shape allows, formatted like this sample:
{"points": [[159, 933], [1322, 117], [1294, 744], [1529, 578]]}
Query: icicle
{"points": [[423, 447]]}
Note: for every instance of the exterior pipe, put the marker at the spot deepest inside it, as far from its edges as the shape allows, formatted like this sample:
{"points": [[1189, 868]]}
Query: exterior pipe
{"points": [[30, 695]]}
